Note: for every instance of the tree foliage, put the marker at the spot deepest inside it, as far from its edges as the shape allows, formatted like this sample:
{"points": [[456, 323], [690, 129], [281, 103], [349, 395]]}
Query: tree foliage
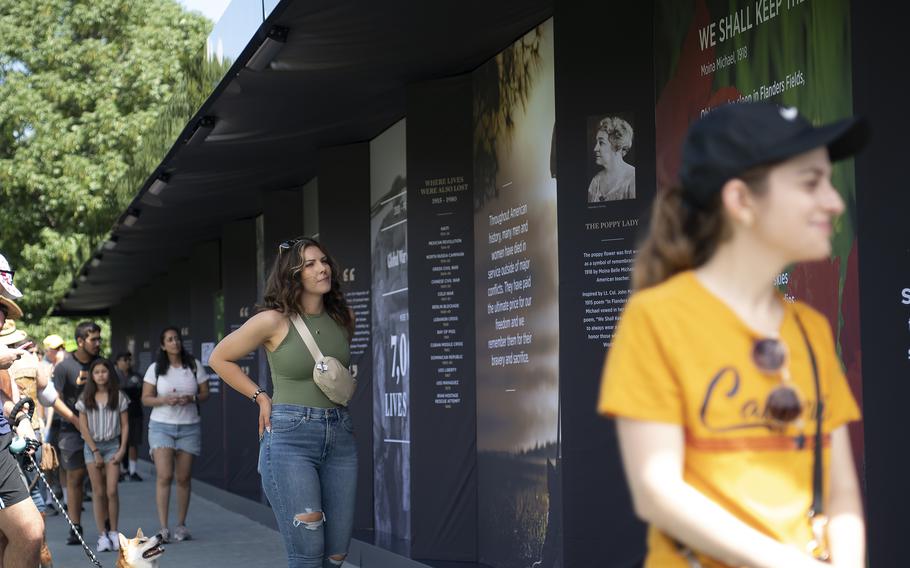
{"points": [[81, 83]]}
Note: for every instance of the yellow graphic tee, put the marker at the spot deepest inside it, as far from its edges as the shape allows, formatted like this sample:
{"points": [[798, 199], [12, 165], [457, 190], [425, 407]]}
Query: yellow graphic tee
{"points": [[682, 356]]}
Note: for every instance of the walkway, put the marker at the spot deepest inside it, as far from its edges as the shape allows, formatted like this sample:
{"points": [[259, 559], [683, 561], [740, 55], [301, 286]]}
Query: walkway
{"points": [[228, 532], [222, 538]]}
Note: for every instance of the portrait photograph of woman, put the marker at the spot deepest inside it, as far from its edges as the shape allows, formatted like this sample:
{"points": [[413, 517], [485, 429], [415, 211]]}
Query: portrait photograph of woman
{"points": [[611, 168]]}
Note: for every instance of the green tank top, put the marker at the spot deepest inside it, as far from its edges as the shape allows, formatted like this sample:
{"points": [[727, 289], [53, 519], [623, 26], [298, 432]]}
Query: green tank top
{"points": [[292, 364]]}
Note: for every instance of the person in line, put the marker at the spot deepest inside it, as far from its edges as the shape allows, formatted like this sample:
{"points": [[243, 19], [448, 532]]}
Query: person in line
{"points": [[616, 180], [54, 352], [24, 372], [105, 429], [713, 374], [21, 525], [173, 386], [307, 456], [70, 377], [132, 386]]}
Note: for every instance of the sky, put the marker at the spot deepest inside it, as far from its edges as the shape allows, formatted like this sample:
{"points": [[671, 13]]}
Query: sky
{"points": [[212, 9]]}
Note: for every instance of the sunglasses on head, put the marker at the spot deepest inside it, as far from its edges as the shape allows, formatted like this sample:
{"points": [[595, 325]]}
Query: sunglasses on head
{"points": [[290, 243], [783, 405]]}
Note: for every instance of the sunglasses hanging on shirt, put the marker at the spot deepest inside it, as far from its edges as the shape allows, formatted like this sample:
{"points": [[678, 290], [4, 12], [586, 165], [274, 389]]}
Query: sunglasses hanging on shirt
{"points": [[783, 405]]}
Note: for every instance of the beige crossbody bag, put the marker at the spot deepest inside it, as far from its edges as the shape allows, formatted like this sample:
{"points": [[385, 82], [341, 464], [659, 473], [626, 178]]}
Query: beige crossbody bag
{"points": [[332, 378]]}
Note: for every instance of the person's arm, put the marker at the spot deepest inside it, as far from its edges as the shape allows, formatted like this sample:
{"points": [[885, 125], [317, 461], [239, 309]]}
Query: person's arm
{"points": [[652, 455], [256, 331], [124, 437], [846, 528], [87, 437], [64, 411], [49, 419], [23, 427], [150, 396], [203, 393], [44, 376], [8, 356]]}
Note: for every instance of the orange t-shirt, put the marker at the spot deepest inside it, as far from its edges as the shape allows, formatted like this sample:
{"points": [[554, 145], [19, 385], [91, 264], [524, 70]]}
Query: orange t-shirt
{"points": [[682, 356]]}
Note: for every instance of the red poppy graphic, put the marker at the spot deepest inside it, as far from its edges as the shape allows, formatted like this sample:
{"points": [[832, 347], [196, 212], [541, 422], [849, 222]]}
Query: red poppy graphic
{"points": [[683, 98]]}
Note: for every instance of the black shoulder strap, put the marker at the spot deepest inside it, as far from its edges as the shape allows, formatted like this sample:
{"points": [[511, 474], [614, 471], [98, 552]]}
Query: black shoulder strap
{"points": [[818, 502]]}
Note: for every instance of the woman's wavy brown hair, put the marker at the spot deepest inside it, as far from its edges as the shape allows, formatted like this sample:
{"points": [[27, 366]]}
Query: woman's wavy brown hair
{"points": [[683, 236], [283, 287]]}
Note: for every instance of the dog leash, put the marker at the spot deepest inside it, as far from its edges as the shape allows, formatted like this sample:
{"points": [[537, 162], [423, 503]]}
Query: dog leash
{"points": [[85, 547], [21, 449]]}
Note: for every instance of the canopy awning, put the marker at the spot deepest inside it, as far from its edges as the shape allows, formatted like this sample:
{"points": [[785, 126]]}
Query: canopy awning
{"points": [[340, 78]]}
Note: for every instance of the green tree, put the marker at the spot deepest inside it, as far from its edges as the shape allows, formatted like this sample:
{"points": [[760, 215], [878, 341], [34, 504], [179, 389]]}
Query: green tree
{"points": [[82, 82]]}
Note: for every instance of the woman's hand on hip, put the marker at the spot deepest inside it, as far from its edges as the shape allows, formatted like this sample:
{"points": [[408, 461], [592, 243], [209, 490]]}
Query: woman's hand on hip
{"points": [[265, 413]]}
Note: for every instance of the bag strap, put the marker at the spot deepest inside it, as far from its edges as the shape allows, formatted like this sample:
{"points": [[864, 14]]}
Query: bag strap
{"points": [[307, 337], [818, 501]]}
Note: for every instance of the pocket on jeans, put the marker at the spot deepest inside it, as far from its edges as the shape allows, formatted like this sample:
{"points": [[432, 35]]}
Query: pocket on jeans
{"points": [[285, 422], [346, 422]]}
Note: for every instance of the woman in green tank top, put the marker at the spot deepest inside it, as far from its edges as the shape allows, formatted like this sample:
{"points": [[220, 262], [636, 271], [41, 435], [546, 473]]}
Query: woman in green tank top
{"points": [[307, 456]]}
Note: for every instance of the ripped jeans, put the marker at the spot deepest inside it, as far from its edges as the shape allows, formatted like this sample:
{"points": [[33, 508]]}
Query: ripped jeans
{"points": [[308, 465]]}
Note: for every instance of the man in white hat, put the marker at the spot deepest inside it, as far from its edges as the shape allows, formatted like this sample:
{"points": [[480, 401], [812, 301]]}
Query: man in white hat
{"points": [[8, 310], [7, 288], [21, 525]]}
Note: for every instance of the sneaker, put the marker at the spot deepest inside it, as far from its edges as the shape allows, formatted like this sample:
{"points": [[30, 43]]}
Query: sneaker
{"points": [[165, 535], [135, 477], [104, 543], [115, 540], [73, 538], [181, 533]]}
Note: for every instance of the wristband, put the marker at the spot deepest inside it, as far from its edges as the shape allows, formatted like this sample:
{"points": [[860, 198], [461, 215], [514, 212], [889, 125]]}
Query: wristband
{"points": [[259, 391], [96, 451]]}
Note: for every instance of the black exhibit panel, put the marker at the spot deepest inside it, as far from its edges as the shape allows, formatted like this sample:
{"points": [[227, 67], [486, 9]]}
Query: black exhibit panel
{"points": [[240, 425], [884, 276], [597, 240], [282, 211], [177, 298], [205, 299], [441, 275], [389, 336], [344, 229], [145, 346]]}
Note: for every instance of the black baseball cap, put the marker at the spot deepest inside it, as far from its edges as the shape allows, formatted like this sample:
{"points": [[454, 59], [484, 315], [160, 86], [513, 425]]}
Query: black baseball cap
{"points": [[736, 137]]}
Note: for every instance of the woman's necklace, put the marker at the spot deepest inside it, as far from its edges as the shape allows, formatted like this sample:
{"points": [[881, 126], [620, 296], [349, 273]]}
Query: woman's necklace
{"points": [[312, 319]]}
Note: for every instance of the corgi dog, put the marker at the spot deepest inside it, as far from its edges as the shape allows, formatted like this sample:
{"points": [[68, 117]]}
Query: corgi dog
{"points": [[139, 552]]}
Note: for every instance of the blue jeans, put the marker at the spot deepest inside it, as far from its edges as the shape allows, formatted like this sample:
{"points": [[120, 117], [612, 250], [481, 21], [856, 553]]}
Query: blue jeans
{"points": [[308, 464]]}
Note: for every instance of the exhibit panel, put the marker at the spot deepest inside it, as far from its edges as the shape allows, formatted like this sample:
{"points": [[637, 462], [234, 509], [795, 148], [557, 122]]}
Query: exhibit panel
{"points": [[516, 285], [441, 298]]}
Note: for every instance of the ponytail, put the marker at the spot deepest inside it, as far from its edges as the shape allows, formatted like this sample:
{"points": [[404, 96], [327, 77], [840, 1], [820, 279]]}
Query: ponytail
{"points": [[681, 237]]}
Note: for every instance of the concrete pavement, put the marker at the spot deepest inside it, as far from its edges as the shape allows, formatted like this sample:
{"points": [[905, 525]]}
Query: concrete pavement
{"points": [[222, 538]]}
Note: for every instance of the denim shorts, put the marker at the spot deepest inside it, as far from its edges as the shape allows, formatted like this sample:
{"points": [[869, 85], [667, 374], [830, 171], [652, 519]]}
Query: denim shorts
{"points": [[181, 437], [108, 449]]}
